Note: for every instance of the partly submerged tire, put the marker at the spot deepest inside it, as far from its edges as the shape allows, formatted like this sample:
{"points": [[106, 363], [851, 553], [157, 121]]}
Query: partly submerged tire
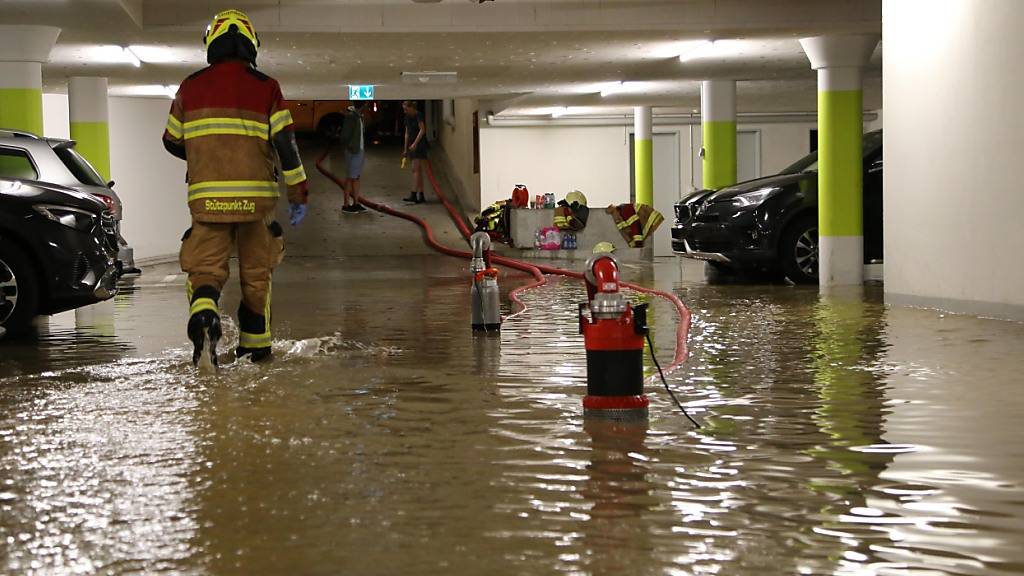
{"points": [[798, 250], [19, 289]]}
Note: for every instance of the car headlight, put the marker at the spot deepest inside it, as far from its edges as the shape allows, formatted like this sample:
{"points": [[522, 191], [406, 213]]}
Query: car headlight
{"points": [[71, 217], [753, 197]]}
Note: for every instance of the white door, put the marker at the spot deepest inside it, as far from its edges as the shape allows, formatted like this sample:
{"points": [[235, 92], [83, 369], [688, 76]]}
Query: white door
{"points": [[748, 156], [666, 188]]}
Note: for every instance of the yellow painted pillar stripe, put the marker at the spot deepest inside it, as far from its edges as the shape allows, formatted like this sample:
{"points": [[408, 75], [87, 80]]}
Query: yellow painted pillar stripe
{"points": [[840, 176], [643, 162], [22, 109], [93, 141], [719, 161]]}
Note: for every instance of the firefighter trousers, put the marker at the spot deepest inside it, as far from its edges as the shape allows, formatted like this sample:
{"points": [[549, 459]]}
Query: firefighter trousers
{"points": [[205, 251]]}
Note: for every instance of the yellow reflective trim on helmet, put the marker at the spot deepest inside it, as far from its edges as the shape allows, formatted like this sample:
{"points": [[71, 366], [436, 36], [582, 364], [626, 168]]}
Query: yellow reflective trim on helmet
{"points": [[222, 22], [202, 304], [294, 176]]}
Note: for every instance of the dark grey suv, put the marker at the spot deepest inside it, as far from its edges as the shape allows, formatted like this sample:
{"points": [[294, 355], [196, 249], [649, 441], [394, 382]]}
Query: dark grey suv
{"points": [[26, 156]]}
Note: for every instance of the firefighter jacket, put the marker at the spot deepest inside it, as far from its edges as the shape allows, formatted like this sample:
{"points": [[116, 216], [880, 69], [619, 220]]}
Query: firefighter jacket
{"points": [[635, 223], [227, 122], [495, 220], [571, 217]]}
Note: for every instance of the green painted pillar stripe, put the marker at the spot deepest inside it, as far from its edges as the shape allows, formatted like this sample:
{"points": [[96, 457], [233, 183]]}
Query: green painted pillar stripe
{"points": [[840, 178], [92, 140], [643, 160], [22, 109], [719, 153]]}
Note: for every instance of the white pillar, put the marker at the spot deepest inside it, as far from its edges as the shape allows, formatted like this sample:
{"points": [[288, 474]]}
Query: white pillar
{"points": [[87, 99], [718, 130], [23, 49], [643, 155], [839, 61]]}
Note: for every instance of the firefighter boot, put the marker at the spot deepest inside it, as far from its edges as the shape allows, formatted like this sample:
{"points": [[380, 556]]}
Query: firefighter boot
{"points": [[254, 338], [204, 332]]}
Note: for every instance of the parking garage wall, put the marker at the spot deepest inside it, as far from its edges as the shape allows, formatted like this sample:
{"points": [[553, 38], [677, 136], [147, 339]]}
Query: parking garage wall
{"points": [[954, 134], [596, 159], [149, 181]]}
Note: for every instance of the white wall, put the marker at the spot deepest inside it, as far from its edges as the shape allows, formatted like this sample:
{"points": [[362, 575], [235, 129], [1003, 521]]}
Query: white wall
{"points": [[556, 159], [150, 182], [953, 143], [596, 159], [455, 131]]}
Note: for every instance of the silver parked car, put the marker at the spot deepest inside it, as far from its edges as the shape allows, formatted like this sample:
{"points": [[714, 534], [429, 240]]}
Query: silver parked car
{"points": [[26, 156]]}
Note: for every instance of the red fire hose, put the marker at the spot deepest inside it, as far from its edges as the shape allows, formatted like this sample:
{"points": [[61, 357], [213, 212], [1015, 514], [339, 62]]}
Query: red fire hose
{"points": [[537, 270]]}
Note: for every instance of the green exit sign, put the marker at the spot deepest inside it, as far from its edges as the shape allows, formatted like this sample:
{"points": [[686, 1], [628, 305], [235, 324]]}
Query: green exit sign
{"points": [[360, 92]]}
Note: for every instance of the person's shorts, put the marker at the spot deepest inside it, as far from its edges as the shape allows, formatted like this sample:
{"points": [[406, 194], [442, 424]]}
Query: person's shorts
{"points": [[354, 163], [419, 153]]}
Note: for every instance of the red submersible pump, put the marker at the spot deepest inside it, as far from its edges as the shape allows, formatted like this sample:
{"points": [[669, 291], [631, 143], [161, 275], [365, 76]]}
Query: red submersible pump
{"points": [[613, 334]]}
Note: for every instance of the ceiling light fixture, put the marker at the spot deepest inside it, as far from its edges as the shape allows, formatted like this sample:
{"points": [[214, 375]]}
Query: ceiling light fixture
{"points": [[131, 57], [559, 112]]}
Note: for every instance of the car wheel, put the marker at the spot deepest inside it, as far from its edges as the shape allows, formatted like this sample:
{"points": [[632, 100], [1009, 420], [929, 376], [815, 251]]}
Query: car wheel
{"points": [[798, 251], [19, 289]]}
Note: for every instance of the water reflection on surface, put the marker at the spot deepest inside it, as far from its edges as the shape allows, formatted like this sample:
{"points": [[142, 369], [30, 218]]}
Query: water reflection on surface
{"points": [[840, 437]]}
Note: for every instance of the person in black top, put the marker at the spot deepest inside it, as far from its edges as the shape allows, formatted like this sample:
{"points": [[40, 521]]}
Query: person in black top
{"points": [[415, 149]]}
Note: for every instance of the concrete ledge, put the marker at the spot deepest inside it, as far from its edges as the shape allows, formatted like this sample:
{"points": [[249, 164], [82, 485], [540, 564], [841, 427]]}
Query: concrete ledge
{"points": [[600, 228], [994, 310]]}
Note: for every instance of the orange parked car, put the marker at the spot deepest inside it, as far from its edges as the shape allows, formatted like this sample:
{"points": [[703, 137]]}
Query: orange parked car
{"points": [[322, 116]]}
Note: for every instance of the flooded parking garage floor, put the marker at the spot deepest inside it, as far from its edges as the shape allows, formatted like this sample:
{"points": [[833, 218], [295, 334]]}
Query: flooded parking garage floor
{"points": [[840, 436]]}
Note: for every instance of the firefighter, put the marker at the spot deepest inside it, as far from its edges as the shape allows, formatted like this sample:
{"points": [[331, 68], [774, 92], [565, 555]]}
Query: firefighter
{"points": [[229, 122], [572, 213]]}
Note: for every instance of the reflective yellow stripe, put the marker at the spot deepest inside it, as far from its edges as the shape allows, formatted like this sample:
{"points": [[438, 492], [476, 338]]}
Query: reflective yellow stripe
{"points": [[233, 189], [173, 126], [279, 121], [246, 340], [188, 290], [655, 219], [230, 126], [622, 225], [629, 221], [203, 304], [294, 176]]}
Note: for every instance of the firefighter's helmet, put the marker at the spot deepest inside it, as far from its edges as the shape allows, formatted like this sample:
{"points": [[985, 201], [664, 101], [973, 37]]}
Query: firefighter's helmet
{"points": [[228, 20], [576, 196]]}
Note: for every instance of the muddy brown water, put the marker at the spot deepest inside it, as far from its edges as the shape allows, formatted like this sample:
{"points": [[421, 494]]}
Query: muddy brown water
{"points": [[840, 437]]}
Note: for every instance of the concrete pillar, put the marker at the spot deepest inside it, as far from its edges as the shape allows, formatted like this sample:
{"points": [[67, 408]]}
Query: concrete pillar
{"points": [[643, 154], [839, 61], [718, 129], [23, 49], [87, 100]]}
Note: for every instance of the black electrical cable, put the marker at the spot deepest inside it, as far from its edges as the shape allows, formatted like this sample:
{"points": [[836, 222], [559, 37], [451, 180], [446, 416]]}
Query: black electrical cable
{"points": [[665, 382]]}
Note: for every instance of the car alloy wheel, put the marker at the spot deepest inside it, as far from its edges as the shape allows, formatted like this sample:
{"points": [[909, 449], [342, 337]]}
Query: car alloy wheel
{"points": [[805, 252], [8, 292]]}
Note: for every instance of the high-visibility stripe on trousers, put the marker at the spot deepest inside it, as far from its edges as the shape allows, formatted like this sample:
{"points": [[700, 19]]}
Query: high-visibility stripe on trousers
{"points": [[205, 251]]}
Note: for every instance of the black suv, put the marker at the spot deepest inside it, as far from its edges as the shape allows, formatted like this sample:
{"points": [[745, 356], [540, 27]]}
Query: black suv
{"points": [[771, 224], [58, 250]]}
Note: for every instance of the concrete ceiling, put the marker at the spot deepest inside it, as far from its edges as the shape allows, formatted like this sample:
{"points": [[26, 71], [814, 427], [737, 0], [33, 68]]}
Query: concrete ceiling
{"points": [[539, 54]]}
